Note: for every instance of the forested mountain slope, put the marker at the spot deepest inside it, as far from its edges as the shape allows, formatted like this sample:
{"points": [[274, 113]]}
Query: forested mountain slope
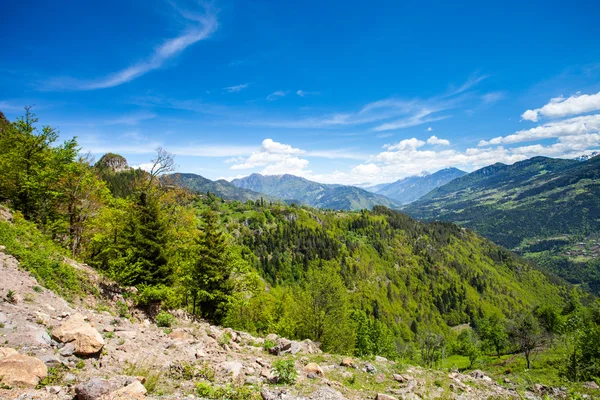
{"points": [[336, 197], [407, 190], [221, 187], [538, 197]]}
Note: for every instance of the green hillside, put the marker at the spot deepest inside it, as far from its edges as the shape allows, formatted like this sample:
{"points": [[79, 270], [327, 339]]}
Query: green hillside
{"points": [[546, 209], [335, 197]]}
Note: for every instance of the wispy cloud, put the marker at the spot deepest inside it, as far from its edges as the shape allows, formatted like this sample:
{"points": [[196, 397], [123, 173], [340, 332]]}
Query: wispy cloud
{"points": [[304, 93], [276, 95], [202, 25], [236, 88]]}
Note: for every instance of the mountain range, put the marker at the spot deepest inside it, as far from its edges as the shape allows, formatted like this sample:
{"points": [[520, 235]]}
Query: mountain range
{"points": [[538, 197], [407, 190], [320, 195], [221, 187]]}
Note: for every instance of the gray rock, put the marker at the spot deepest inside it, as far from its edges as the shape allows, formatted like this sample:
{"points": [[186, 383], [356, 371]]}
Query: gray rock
{"points": [[591, 385], [93, 389], [42, 337], [67, 350], [370, 368], [53, 389], [327, 393], [50, 360]]}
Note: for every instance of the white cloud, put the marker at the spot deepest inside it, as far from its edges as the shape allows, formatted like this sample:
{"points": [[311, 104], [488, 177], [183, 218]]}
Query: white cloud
{"points": [[562, 107], [293, 165], [366, 170], [567, 127], [236, 88], [301, 93], [202, 26], [275, 95], [437, 141], [270, 152], [144, 166], [406, 144], [429, 129]]}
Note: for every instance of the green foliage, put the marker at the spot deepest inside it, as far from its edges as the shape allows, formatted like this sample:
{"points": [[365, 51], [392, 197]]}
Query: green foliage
{"points": [[269, 344], [206, 390], [469, 346], [209, 282], [40, 256], [285, 371], [153, 376], [164, 319], [11, 297], [492, 331]]}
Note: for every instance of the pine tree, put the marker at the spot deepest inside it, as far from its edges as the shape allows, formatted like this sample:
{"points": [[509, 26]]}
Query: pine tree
{"points": [[145, 241], [211, 287]]}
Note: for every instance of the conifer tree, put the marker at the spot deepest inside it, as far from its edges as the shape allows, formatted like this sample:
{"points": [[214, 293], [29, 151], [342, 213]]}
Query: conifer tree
{"points": [[211, 287]]}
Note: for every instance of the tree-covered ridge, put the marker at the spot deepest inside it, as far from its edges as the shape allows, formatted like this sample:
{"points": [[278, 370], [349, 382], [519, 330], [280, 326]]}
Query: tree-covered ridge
{"points": [[536, 198], [221, 187], [335, 197], [412, 188]]}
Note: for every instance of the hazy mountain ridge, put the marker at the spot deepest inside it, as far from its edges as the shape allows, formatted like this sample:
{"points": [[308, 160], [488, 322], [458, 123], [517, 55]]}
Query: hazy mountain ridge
{"points": [[338, 197], [409, 189], [221, 187]]}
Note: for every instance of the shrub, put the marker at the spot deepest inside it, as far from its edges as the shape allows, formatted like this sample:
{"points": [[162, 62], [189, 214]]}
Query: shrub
{"points": [[123, 309], [269, 344], [11, 297], [285, 371], [225, 338], [164, 319]]}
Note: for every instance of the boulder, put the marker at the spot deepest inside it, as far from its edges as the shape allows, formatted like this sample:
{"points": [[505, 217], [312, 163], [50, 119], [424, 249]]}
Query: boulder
{"points": [[6, 352], [133, 391], [370, 369], [327, 393], [347, 362], [313, 368], [21, 370], [381, 396], [81, 334], [591, 385], [180, 334]]}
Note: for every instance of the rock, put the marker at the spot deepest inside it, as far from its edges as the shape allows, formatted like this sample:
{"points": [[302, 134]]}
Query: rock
{"points": [[76, 330], [380, 378], [478, 374], [591, 385], [93, 389], [53, 389], [109, 328], [234, 368], [400, 378], [180, 334], [42, 337], [327, 393], [70, 378], [67, 350], [370, 369], [6, 352], [50, 360], [272, 337], [348, 362], [312, 375], [134, 390], [381, 396], [380, 359], [314, 368], [21, 370], [127, 334]]}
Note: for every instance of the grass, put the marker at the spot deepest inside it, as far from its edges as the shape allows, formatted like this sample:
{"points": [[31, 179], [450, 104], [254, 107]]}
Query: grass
{"points": [[153, 376], [43, 258]]}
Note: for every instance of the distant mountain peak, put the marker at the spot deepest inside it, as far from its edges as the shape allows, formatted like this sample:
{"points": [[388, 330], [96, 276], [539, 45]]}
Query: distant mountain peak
{"points": [[585, 157]]}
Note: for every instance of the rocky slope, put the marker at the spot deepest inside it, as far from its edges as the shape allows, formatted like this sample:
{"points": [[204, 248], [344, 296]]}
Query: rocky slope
{"points": [[98, 349]]}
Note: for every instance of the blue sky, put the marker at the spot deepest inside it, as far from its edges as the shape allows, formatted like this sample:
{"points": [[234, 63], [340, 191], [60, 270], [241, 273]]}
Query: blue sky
{"points": [[336, 91]]}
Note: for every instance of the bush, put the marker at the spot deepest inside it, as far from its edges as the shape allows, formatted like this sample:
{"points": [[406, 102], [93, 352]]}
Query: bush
{"points": [[269, 344], [285, 371], [165, 319]]}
